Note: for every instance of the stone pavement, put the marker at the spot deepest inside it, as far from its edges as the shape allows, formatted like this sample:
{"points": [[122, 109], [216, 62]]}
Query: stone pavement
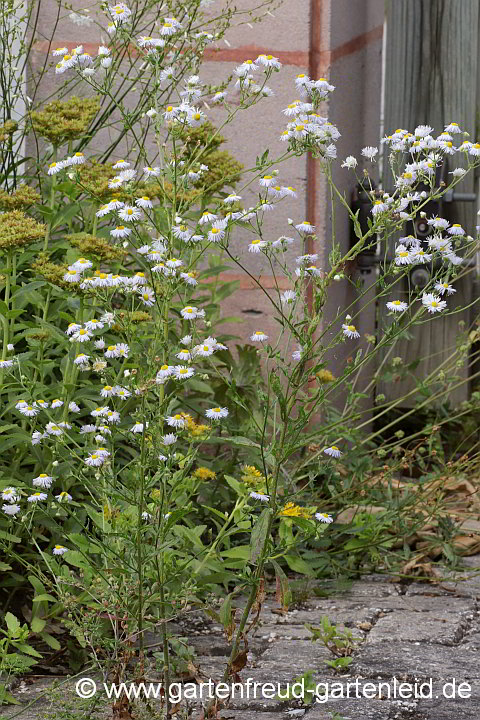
{"points": [[416, 633]]}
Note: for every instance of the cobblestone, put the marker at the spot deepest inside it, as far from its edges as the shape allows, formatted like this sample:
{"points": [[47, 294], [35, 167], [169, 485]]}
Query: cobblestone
{"points": [[417, 633]]}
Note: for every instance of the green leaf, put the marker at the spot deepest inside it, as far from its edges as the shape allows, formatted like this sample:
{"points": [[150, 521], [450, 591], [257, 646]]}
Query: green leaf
{"points": [[72, 557], [8, 536], [37, 624], [239, 551], [260, 533], [225, 614], [13, 624], [98, 518], [23, 647], [51, 641], [241, 441], [297, 564], [43, 597], [284, 594]]}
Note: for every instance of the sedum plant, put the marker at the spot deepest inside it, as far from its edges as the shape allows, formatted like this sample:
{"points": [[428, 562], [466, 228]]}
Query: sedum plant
{"points": [[123, 405]]}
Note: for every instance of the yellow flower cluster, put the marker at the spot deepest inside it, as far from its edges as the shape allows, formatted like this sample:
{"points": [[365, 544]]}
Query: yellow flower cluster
{"points": [[204, 473], [61, 121], [53, 273], [7, 129], [17, 229], [196, 429], [251, 476], [19, 199], [325, 376], [292, 510], [96, 246]]}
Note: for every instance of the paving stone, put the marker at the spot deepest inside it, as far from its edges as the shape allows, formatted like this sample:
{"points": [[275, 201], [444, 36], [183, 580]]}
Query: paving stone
{"points": [[455, 709], [405, 626], [409, 660], [458, 588]]}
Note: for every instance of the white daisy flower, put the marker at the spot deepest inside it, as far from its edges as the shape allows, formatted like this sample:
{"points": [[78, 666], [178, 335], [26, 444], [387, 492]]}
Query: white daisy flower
{"points": [[186, 340], [397, 305], [231, 198], [37, 497], [269, 61], [184, 355], [81, 359], [43, 480], [190, 312], [215, 234], [369, 152], [207, 217], [257, 245], [11, 509], [129, 213], [151, 171], [137, 428], [305, 227], [73, 407], [144, 202], [259, 496], [10, 494], [438, 223], [82, 335], [164, 372], [4, 364], [444, 287], [53, 429], [203, 350], [85, 429], [120, 232], [433, 303], [112, 416], [107, 391], [122, 392], [59, 550], [29, 410], [104, 210], [297, 354], [176, 421], [63, 497], [333, 451], [169, 439], [189, 278], [258, 336], [456, 229], [99, 411], [350, 162], [324, 518], [37, 437], [402, 255], [147, 296], [183, 373], [94, 460], [72, 328], [350, 331], [288, 297], [55, 167], [216, 413]]}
